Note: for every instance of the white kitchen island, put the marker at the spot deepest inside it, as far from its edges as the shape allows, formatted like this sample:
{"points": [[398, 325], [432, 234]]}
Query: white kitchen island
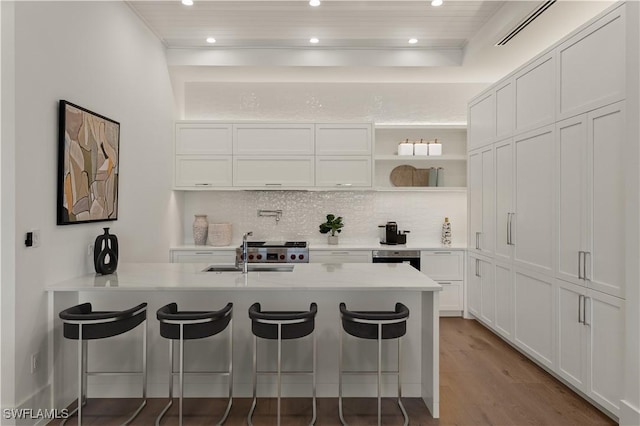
{"points": [[360, 286]]}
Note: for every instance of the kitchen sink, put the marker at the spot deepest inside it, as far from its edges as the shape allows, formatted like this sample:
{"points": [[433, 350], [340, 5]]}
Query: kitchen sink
{"points": [[251, 268]]}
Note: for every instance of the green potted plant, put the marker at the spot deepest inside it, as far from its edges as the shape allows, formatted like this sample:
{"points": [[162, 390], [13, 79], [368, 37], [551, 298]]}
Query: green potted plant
{"points": [[334, 225]]}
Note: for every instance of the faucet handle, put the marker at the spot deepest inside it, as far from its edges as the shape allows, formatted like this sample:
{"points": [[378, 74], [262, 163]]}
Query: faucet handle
{"points": [[248, 234]]}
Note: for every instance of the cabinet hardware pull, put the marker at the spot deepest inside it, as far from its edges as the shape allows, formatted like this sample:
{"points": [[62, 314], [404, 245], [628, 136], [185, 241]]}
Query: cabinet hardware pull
{"points": [[580, 309], [344, 184], [272, 184], [511, 229], [444, 282], [584, 312], [477, 240], [478, 268], [441, 252], [580, 265], [584, 265], [339, 252], [203, 184], [204, 252]]}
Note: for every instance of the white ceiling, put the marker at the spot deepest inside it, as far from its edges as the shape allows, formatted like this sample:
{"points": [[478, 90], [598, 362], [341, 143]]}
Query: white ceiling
{"points": [[369, 24], [360, 41]]}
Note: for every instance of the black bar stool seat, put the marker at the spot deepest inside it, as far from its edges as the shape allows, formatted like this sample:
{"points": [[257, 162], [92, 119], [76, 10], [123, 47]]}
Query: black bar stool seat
{"points": [[190, 325], [82, 323], [281, 325], [374, 325]]}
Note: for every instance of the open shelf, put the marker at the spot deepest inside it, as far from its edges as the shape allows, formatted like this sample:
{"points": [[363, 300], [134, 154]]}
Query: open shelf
{"points": [[408, 158]]}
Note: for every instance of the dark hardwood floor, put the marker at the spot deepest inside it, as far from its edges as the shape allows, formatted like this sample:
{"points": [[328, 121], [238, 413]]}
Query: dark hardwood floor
{"points": [[483, 381]]}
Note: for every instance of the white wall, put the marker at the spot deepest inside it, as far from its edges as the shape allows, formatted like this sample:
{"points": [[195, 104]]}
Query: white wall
{"points": [[98, 55]]}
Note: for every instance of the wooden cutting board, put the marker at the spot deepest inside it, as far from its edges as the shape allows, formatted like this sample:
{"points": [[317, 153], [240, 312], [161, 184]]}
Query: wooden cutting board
{"points": [[402, 175], [421, 177]]}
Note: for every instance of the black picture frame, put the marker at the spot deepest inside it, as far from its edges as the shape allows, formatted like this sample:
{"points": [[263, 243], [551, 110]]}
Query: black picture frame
{"points": [[88, 166]]}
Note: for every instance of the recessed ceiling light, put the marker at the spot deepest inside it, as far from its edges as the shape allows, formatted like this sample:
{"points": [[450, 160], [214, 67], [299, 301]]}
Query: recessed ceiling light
{"points": [[436, 2], [314, 40], [187, 2], [211, 40], [314, 3], [413, 40]]}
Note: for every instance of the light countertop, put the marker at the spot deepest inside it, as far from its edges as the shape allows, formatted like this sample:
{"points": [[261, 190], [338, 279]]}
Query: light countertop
{"points": [[307, 276], [374, 245]]}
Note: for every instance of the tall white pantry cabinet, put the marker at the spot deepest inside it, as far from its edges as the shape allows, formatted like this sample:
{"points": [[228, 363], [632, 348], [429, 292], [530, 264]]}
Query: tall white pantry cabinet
{"points": [[551, 190]]}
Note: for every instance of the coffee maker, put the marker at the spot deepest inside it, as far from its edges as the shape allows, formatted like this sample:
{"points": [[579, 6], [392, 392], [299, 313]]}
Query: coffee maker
{"points": [[389, 234]]}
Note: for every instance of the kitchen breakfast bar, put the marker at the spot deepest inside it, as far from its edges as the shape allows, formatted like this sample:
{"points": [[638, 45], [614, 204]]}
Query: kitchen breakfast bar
{"points": [[363, 287]]}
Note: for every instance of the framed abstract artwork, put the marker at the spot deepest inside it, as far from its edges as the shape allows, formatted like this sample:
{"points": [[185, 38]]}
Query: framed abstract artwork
{"points": [[88, 161]]}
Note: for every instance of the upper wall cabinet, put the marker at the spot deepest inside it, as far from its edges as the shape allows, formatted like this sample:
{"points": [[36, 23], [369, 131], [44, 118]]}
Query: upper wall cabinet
{"points": [[273, 139], [481, 121], [343, 139], [505, 117], [591, 66], [201, 138], [535, 94]]}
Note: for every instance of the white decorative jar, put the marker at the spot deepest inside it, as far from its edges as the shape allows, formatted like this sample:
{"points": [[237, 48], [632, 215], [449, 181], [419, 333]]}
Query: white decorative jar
{"points": [[435, 148], [405, 148], [219, 234], [200, 228]]}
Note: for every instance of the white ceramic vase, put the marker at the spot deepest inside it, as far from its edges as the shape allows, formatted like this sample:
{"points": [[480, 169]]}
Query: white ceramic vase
{"points": [[200, 228], [332, 240]]}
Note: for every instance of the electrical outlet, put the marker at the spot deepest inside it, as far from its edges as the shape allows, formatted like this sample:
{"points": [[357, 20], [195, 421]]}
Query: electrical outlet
{"points": [[35, 235], [35, 362], [89, 250]]}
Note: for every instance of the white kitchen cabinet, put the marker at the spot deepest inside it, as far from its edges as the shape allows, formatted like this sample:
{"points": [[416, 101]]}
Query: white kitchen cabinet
{"points": [[591, 66], [446, 267], [343, 172], [343, 139], [534, 317], [203, 171], [590, 343], [591, 202], [503, 276], [340, 256], [535, 94], [204, 255], [481, 289], [474, 286], [505, 211], [273, 172], [451, 297], [533, 222], [481, 121], [505, 109], [481, 201], [203, 138], [273, 139], [604, 319]]}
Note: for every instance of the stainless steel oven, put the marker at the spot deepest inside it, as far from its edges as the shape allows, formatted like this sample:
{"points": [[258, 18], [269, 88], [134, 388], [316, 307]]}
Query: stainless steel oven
{"points": [[411, 257]]}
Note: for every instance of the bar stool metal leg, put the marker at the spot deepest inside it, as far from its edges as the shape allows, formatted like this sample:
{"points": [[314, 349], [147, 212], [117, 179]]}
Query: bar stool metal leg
{"points": [[404, 412], [379, 373], [228, 410], [255, 379], [144, 375], [340, 380]]}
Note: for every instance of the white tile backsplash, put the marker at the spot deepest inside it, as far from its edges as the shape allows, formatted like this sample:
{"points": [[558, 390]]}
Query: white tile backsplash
{"points": [[302, 212]]}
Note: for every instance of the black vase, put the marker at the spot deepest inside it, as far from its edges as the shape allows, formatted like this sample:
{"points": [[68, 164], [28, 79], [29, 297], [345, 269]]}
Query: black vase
{"points": [[105, 253]]}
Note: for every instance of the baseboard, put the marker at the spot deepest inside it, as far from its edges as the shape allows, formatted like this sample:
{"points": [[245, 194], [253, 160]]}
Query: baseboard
{"points": [[629, 415], [450, 313], [36, 407]]}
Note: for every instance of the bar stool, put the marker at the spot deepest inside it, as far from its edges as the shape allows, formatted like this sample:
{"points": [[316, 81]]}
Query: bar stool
{"points": [[374, 325], [82, 323], [188, 325], [281, 325]]}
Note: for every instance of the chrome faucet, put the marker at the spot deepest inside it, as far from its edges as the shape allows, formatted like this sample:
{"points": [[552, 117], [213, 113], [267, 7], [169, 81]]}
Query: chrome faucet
{"points": [[245, 258]]}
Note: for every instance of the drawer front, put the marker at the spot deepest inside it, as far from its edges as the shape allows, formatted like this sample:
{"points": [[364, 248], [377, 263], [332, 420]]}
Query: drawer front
{"points": [[343, 172], [205, 138], [200, 171], [203, 256], [274, 139], [451, 295], [273, 172], [343, 139], [339, 256], [442, 265]]}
